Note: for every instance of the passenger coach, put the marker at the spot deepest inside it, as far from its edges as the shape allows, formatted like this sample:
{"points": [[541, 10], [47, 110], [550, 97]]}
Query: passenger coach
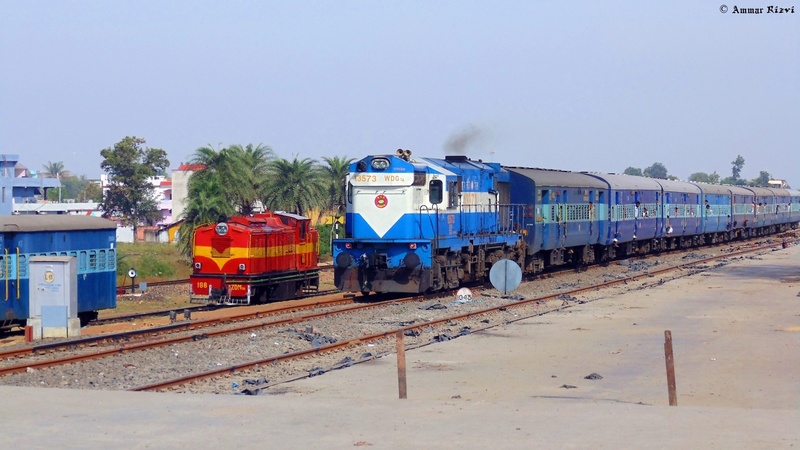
{"points": [[90, 240]]}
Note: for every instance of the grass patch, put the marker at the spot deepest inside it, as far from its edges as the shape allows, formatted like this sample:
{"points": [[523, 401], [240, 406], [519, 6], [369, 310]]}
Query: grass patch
{"points": [[152, 262]]}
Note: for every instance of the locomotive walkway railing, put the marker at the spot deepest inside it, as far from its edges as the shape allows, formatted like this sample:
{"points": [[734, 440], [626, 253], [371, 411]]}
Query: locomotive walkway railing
{"points": [[471, 220]]}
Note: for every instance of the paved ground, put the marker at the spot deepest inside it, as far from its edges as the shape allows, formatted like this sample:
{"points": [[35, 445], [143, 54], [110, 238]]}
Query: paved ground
{"points": [[736, 337]]}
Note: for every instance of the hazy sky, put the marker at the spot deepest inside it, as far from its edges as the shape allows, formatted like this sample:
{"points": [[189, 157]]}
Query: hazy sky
{"points": [[576, 85]]}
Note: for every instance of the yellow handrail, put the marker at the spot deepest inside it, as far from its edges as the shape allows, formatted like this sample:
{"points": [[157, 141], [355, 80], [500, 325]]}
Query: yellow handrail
{"points": [[5, 274], [19, 283]]}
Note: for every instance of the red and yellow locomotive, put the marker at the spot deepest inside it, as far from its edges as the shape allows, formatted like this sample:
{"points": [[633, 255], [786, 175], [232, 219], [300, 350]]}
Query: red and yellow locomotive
{"points": [[256, 258]]}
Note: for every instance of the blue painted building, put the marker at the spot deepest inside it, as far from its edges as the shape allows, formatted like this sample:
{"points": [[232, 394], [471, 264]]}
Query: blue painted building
{"points": [[18, 186]]}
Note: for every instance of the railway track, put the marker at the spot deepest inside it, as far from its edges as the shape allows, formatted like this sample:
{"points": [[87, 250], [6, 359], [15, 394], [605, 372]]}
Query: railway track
{"points": [[542, 305], [151, 333], [184, 311], [148, 340], [129, 289]]}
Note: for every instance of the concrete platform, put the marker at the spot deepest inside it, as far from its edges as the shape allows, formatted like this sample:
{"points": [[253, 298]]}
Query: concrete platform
{"points": [[736, 337]]}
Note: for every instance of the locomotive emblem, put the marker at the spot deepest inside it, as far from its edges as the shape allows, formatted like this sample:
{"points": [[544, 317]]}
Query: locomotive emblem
{"points": [[381, 201]]}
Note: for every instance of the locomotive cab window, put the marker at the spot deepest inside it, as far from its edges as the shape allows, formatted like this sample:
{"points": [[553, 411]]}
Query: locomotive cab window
{"points": [[436, 192], [303, 229], [454, 192]]}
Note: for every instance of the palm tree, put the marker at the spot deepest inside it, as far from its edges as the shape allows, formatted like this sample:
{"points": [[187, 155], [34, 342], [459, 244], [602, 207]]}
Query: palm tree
{"points": [[55, 169], [336, 170], [250, 171], [206, 204], [295, 186], [237, 170]]}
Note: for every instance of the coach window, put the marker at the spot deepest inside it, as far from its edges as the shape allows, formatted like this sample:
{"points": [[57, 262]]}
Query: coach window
{"points": [[23, 266], [92, 260], [435, 192]]}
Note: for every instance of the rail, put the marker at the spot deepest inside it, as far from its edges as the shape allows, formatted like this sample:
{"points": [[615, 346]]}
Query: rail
{"points": [[445, 321]]}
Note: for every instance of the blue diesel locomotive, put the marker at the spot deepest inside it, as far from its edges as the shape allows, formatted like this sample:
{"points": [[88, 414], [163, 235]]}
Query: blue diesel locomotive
{"points": [[90, 240], [424, 224]]}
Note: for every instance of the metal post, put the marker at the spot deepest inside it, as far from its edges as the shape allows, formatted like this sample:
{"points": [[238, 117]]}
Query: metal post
{"points": [[401, 365], [673, 396]]}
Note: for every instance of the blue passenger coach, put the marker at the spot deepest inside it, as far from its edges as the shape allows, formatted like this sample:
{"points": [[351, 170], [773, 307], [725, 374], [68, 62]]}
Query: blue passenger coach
{"points": [[90, 240], [568, 211]]}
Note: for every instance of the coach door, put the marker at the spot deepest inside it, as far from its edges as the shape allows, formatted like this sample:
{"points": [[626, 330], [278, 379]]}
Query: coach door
{"points": [[506, 219], [548, 217], [561, 217], [599, 217]]}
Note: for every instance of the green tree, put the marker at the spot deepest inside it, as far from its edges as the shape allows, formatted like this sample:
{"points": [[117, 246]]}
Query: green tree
{"points": [[337, 169], [733, 181], [633, 171], [251, 172], [229, 184], [207, 204], [657, 170], [294, 186], [54, 169], [700, 177], [73, 186], [736, 170], [130, 194], [238, 171], [762, 180], [92, 192]]}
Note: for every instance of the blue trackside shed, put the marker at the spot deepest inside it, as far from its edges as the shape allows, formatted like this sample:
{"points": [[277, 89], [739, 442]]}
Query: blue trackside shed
{"points": [[90, 240]]}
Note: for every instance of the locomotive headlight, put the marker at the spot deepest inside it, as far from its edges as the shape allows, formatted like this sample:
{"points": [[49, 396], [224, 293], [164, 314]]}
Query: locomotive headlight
{"points": [[412, 245], [197, 266], [221, 229], [241, 267], [344, 260], [411, 260], [380, 163]]}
